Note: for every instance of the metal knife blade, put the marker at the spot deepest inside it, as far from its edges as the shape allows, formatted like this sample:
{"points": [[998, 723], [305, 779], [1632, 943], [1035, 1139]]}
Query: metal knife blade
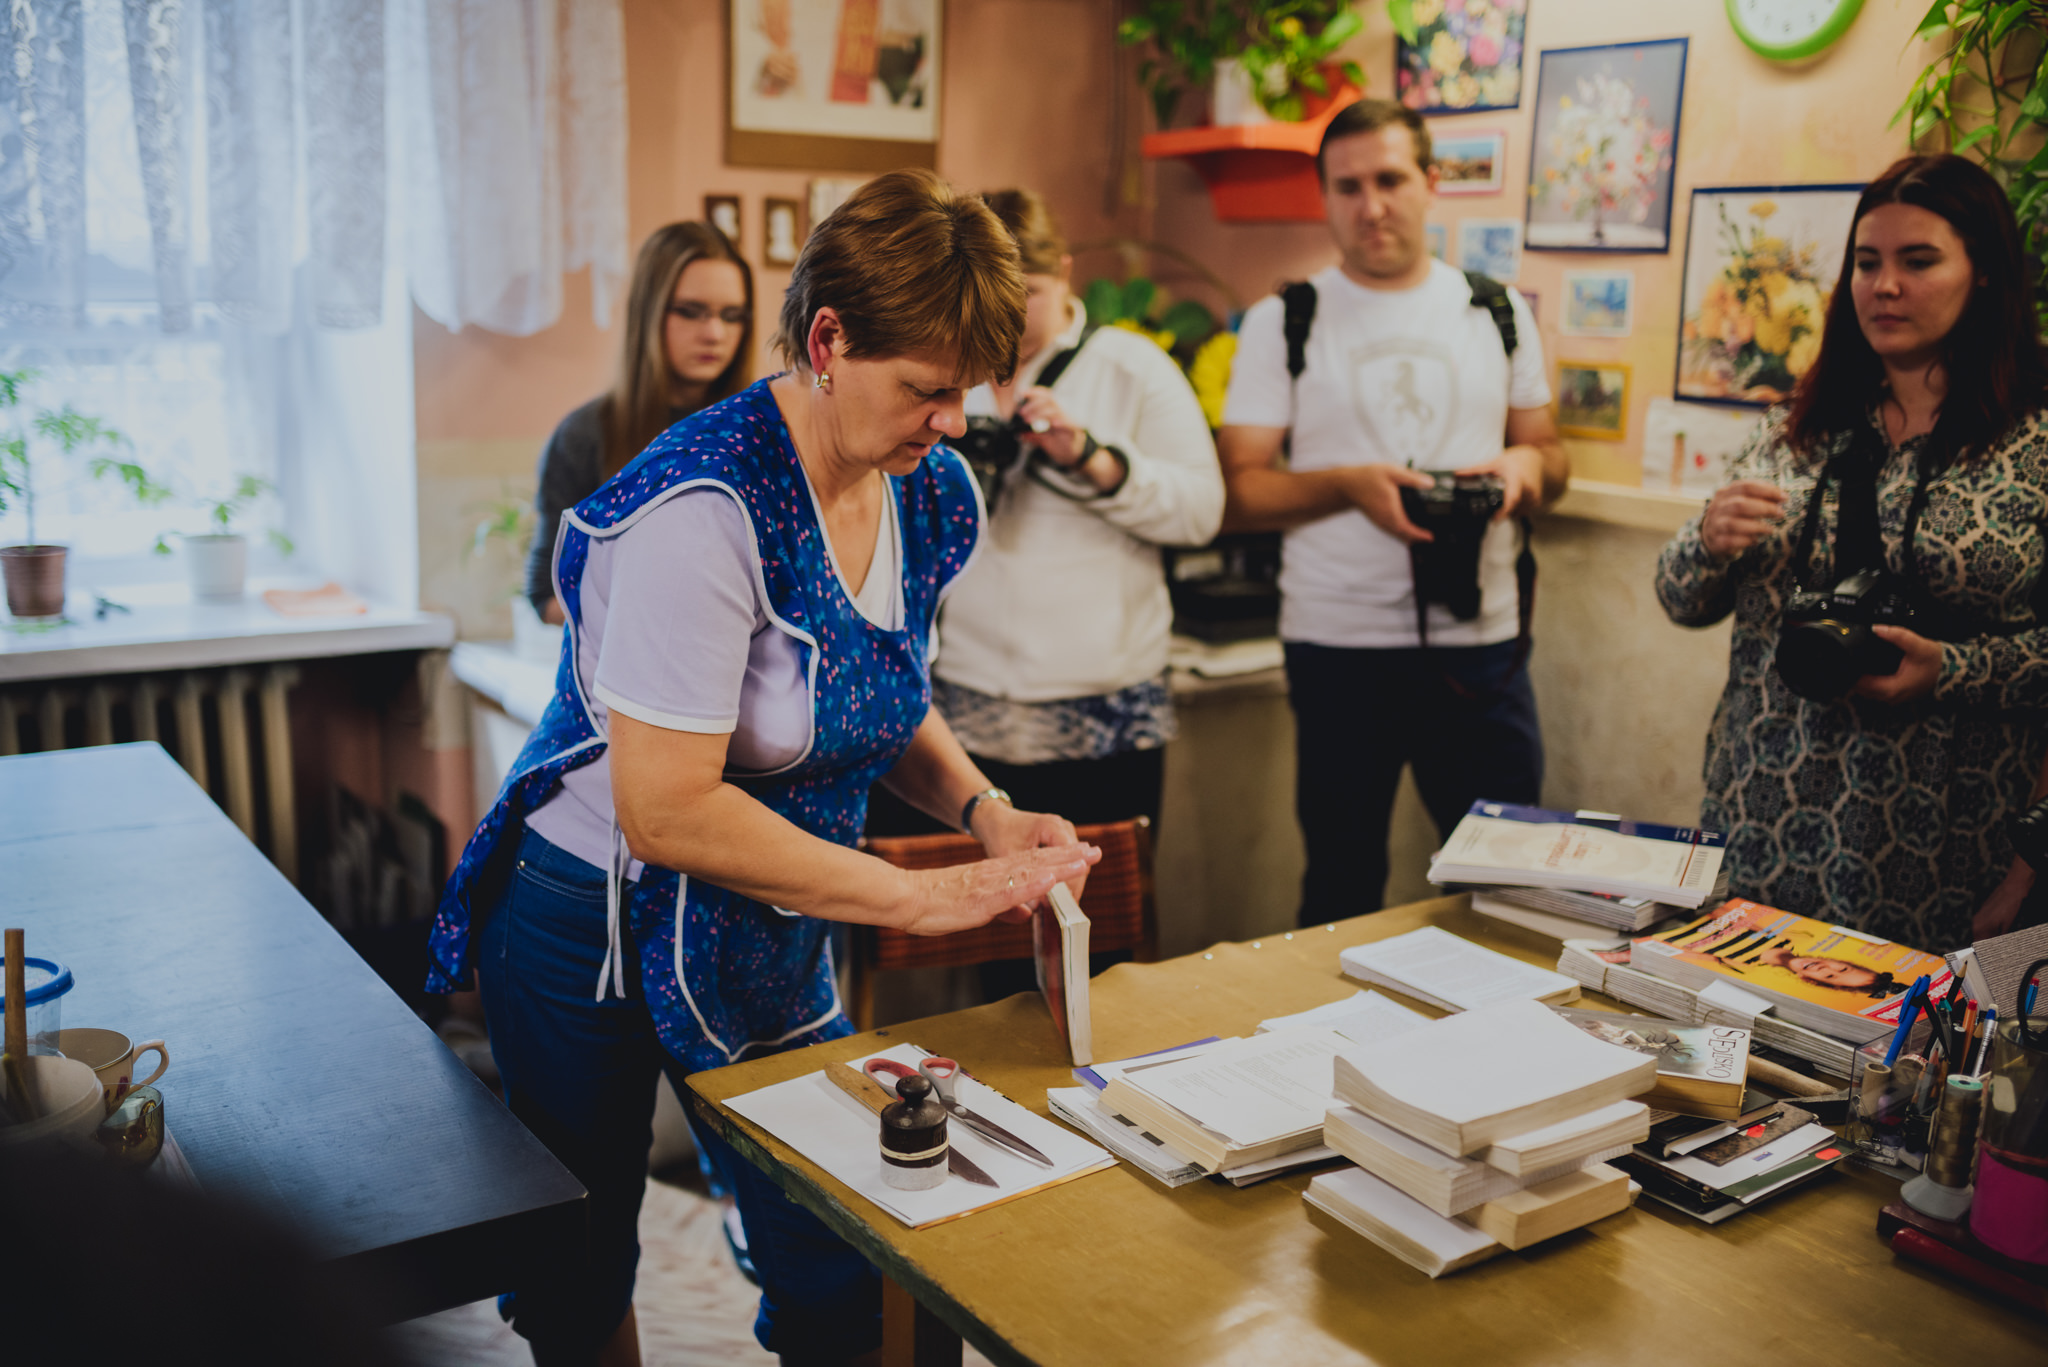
{"points": [[869, 1093], [993, 1131]]}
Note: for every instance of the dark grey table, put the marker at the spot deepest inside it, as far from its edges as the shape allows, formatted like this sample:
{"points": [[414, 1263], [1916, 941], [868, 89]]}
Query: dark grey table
{"points": [[298, 1082]]}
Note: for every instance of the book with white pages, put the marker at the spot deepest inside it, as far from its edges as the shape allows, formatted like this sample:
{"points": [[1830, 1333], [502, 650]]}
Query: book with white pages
{"points": [[1502, 843], [1430, 1243], [1533, 919], [1362, 1018], [1562, 1204], [1147, 1153], [1471, 1080], [1571, 1141], [1247, 1100], [1434, 966], [1445, 1184]]}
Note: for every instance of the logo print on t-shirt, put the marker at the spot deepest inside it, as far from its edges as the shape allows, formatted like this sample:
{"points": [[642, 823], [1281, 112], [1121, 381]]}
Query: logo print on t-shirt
{"points": [[1406, 393]]}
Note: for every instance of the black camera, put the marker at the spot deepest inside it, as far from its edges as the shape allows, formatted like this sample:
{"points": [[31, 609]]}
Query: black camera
{"points": [[1825, 643], [1457, 510]]}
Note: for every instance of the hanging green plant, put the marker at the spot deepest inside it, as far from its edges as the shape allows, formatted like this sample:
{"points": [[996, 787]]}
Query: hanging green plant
{"points": [[1284, 46], [1986, 96]]}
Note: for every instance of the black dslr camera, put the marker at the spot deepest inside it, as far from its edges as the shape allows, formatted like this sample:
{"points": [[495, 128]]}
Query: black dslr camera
{"points": [[991, 450], [1825, 643], [1456, 510]]}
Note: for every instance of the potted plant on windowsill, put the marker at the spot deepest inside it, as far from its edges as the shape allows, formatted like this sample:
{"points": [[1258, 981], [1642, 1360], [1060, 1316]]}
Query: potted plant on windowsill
{"points": [[34, 572], [217, 562]]}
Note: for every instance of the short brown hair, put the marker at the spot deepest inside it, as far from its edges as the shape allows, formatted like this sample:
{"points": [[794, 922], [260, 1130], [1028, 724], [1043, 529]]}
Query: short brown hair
{"points": [[1040, 242], [911, 265], [1369, 116]]}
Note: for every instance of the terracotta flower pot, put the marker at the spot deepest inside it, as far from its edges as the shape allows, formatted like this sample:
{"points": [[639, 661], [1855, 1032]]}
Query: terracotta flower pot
{"points": [[35, 580]]}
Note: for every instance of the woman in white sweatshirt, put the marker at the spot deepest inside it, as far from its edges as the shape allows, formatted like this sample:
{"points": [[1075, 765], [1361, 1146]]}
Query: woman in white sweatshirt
{"points": [[1052, 647]]}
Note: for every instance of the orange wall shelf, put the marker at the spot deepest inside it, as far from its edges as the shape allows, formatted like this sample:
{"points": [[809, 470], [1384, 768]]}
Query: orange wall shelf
{"points": [[1257, 172]]}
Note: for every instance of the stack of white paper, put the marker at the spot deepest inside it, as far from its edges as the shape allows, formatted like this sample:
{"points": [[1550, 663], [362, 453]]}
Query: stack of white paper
{"points": [[1397, 1222], [1432, 965]]}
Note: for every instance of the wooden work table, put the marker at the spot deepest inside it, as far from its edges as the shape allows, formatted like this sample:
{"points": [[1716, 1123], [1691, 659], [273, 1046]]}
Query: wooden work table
{"points": [[1115, 1269]]}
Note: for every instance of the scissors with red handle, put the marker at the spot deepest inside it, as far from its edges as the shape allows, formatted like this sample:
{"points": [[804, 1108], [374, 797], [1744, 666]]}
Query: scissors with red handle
{"points": [[944, 1075]]}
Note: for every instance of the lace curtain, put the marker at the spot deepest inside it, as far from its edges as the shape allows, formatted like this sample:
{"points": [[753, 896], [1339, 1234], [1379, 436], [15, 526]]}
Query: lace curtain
{"points": [[514, 115], [258, 146]]}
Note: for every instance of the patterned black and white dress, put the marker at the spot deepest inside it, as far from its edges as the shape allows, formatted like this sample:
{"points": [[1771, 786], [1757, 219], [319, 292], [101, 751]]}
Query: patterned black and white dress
{"points": [[1889, 819]]}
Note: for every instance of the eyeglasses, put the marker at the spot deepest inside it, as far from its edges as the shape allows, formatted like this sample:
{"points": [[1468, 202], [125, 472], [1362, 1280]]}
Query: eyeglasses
{"points": [[690, 311]]}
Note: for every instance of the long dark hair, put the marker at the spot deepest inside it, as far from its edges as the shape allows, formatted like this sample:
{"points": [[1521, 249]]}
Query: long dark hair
{"points": [[1992, 356], [636, 409]]}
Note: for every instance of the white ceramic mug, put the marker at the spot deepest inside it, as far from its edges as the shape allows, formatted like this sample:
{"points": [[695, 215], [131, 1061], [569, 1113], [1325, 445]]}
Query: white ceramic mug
{"points": [[112, 1055]]}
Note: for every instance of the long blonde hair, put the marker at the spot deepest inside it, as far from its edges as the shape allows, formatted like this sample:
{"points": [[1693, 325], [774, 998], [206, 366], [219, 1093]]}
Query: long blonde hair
{"points": [[636, 410]]}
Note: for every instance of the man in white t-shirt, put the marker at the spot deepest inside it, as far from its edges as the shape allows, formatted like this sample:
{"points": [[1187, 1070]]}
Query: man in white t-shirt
{"points": [[1401, 372]]}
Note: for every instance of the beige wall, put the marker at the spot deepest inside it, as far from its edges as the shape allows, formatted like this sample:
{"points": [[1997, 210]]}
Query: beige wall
{"points": [[1030, 99], [1745, 121]]}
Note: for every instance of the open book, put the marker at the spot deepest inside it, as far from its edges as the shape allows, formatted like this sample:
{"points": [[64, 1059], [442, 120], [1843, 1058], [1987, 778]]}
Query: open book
{"points": [[1059, 944]]}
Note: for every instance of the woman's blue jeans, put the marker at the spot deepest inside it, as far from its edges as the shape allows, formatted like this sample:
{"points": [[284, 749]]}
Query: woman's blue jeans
{"points": [[580, 1073]]}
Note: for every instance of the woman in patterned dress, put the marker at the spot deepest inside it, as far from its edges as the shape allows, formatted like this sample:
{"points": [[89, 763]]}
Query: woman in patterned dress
{"points": [[750, 606], [1885, 810]]}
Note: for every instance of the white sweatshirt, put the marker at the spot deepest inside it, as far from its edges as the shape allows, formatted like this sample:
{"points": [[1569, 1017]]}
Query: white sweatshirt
{"points": [[1067, 598]]}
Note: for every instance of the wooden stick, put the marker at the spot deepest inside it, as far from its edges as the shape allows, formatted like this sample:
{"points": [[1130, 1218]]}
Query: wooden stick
{"points": [[1784, 1079], [858, 1085], [17, 995]]}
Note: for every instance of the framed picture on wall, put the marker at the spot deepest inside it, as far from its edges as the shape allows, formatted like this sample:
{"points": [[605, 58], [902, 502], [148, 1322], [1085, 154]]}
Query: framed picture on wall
{"points": [[1469, 163], [1592, 399], [1688, 447], [843, 85], [1761, 262], [1598, 304], [1491, 246], [1464, 58], [782, 231], [1603, 147], [723, 213]]}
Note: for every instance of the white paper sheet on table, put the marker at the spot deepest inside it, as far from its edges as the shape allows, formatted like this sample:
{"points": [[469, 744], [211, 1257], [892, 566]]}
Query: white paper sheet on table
{"points": [[1255, 1089], [843, 1137], [1363, 1018]]}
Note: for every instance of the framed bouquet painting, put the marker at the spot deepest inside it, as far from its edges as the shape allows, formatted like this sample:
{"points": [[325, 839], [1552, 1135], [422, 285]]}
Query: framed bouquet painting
{"points": [[1604, 145], [1467, 55], [1761, 262]]}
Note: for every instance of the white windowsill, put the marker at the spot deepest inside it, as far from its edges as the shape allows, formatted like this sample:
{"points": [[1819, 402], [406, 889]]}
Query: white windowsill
{"points": [[165, 629]]}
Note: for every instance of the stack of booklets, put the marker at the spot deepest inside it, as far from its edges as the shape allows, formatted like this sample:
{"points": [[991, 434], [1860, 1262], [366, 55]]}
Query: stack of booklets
{"points": [[1751, 994], [1482, 1131], [1564, 915], [1497, 844], [1714, 1172], [1702, 1069], [1434, 966]]}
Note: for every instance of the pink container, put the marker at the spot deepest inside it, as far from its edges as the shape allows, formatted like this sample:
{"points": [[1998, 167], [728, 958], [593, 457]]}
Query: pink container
{"points": [[2010, 1213]]}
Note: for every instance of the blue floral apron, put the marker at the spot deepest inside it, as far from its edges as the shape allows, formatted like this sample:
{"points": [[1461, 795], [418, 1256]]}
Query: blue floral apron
{"points": [[723, 974]]}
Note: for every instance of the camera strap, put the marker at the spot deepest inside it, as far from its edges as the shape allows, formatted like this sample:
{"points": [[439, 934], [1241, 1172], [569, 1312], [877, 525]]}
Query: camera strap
{"points": [[1525, 616], [995, 475]]}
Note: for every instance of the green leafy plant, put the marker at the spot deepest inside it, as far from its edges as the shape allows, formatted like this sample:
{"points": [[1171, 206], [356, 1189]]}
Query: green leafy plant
{"points": [[1283, 44], [1986, 96], [223, 512], [72, 432], [507, 522]]}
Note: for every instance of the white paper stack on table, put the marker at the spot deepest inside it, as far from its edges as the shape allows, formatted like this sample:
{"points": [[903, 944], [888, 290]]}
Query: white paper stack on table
{"points": [[1563, 915], [1482, 1131], [1499, 844], [1242, 1109], [1432, 965]]}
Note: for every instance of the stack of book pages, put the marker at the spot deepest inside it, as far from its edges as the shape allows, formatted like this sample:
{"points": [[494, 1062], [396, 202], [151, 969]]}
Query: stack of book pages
{"points": [[1500, 845], [1550, 911], [1714, 1172], [1493, 1123], [1434, 966]]}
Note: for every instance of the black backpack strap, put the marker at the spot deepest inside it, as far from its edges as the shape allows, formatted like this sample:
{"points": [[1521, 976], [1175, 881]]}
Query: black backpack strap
{"points": [[1298, 298], [1489, 294]]}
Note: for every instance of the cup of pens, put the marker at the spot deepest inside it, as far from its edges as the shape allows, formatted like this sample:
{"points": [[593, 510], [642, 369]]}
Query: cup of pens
{"points": [[2011, 1211]]}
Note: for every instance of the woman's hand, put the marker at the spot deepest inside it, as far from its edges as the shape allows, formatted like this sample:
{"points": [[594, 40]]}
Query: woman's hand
{"points": [[1740, 515], [2002, 907], [1002, 829], [1002, 888], [1916, 674], [1053, 430]]}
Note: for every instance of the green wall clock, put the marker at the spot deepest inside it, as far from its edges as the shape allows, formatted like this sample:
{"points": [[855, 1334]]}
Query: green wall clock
{"points": [[1788, 30]]}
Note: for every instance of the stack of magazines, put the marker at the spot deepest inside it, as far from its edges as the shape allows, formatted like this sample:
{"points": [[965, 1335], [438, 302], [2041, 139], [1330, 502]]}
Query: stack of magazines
{"points": [[1578, 873]]}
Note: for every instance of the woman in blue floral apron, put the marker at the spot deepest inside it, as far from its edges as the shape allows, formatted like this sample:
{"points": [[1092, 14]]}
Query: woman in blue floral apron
{"points": [[750, 608]]}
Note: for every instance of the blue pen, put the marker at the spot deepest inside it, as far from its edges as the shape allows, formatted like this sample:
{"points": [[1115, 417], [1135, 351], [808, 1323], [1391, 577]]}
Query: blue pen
{"points": [[2027, 1006], [1912, 1004]]}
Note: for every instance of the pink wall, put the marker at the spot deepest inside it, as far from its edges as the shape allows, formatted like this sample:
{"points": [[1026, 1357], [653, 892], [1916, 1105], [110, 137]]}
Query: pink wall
{"points": [[1028, 100]]}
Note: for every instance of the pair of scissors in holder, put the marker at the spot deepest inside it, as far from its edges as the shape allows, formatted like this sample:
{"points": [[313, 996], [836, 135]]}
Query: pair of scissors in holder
{"points": [[944, 1075]]}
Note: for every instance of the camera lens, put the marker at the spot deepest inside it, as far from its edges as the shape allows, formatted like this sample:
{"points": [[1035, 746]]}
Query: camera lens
{"points": [[1821, 660]]}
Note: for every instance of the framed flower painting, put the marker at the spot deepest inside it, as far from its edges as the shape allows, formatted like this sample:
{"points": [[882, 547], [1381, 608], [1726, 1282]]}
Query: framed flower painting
{"points": [[1603, 148], [1467, 56], [1761, 262]]}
